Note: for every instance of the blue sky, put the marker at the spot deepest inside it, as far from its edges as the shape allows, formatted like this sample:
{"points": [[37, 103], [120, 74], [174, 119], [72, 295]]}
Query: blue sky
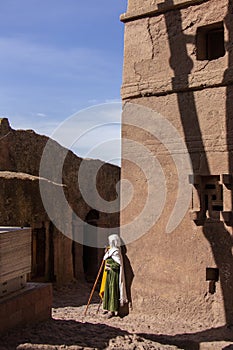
{"points": [[58, 57]]}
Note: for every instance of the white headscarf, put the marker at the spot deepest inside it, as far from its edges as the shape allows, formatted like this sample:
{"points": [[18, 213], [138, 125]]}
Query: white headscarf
{"points": [[114, 251], [114, 241]]}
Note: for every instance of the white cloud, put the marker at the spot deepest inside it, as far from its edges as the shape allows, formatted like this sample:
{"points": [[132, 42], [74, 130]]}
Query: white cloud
{"points": [[93, 101], [113, 100], [41, 115]]}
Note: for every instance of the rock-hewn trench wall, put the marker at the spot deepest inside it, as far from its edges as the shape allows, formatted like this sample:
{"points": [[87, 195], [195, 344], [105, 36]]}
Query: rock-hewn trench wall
{"points": [[21, 203]]}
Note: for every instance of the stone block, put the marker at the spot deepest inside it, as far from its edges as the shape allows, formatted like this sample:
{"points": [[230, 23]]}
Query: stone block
{"points": [[30, 305]]}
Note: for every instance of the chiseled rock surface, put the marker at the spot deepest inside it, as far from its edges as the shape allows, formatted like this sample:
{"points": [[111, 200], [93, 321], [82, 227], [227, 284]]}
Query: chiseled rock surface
{"points": [[21, 201], [163, 72], [160, 47]]}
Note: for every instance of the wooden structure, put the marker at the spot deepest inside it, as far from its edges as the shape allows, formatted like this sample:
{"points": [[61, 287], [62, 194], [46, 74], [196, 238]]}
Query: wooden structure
{"points": [[15, 258], [20, 302]]}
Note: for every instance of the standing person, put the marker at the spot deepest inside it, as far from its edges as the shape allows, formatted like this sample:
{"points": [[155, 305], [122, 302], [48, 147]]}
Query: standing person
{"points": [[114, 290]]}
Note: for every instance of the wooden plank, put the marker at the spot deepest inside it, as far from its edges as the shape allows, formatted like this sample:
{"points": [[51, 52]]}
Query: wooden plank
{"points": [[15, 253]]}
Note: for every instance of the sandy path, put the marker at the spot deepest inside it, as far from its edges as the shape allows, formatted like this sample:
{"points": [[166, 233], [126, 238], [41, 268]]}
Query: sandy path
{"points": [[69, 329]]}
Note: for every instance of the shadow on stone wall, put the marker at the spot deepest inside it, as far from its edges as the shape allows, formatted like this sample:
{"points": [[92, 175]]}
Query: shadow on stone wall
{"points": [[220, 240], [129, 276]]}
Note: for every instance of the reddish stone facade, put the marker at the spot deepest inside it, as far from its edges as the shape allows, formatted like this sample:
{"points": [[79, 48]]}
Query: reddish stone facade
{"points": [[178, 63]]}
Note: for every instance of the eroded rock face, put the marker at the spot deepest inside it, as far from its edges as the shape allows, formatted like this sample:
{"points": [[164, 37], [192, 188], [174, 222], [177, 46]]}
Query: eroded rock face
{"points": [[21, 152], [21, 203], [165, 71], [5, 126]]}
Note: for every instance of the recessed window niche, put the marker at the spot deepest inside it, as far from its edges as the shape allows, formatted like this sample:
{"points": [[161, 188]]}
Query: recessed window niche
{"points": [[212, 276], [207, 201], [210, 41]]}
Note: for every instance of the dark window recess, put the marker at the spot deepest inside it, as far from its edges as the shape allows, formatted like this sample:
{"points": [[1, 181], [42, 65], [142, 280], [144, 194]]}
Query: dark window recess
{"points": [[210, 41], [212, 195], [217, 207], [210, 186], [212, 274]]}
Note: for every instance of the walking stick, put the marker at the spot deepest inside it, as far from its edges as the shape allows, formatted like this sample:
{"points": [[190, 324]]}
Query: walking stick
{"points": [[93, 289]]}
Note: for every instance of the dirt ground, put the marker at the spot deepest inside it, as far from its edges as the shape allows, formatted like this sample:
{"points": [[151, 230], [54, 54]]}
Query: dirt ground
{"points": [[70, 329]]}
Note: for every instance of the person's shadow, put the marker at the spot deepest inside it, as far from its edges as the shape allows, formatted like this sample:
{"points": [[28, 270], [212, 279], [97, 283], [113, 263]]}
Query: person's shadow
{"points": [[129, 275]]}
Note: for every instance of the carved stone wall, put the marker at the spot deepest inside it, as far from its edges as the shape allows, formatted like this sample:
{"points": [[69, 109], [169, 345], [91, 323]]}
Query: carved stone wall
{"points": [[149, 61], [162, 71]]}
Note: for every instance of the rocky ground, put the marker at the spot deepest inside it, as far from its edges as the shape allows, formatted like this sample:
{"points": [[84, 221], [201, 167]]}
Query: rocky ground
{"points": [[70, 329]]}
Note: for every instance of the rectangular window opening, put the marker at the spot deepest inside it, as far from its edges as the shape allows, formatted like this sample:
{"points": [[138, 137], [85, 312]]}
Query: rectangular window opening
{"points": [[212, 274], [210, 41]]}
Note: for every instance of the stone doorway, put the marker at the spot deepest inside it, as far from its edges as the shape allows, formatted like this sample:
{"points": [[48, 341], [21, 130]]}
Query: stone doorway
{"points": [[43, 253], [38, 253], [90, 253]]}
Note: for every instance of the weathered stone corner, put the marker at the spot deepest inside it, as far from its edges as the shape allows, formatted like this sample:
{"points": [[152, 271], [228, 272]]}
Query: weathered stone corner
{"points": [[4, 126]]}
